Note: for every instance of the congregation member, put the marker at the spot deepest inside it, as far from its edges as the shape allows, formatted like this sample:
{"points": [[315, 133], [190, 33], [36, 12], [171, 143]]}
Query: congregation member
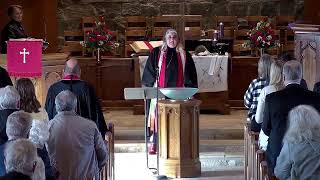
{"points": [[39, 135], [28, 100], [254, 89], [39, 171], [173, 67], [5, 78], [9, 101], [14, 29], [20, 160], [76, 148], [278, 105], [300, 154], [88, 103], [276, 84], [286, 56]]}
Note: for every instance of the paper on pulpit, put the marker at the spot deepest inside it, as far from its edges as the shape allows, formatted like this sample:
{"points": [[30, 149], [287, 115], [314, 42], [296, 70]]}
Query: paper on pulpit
{"points": [[145, 46]]}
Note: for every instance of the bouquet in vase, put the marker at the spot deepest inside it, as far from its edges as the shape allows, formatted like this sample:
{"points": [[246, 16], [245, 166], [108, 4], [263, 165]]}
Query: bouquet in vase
{"points": [[262, 36], [100, 38]]}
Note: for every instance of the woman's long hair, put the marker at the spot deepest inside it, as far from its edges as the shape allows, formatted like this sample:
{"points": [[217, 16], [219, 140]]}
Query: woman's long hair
{"points": [[264, 65], [303, 125], [28, 99], [276, 75]]}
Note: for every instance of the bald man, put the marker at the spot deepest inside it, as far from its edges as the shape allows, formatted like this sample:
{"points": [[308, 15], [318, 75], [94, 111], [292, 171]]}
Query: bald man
{"points": [[88, 105]]}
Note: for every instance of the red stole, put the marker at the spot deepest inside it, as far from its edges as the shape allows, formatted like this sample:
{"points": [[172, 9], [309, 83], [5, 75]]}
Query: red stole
{"points": [[71, 77], [162, 77]]}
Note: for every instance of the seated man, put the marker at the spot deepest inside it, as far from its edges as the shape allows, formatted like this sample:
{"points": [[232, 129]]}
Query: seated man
{"points": [[75, 146], [20, 159], [88, 104], [278, 105]]}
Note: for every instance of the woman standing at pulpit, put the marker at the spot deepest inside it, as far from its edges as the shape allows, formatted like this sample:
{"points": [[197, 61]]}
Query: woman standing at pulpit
{"points": [[174, 67], [14, 29]]}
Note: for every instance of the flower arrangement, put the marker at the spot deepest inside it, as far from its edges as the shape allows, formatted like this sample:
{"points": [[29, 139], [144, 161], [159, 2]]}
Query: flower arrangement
{"points": [[100, 37], [262, 36]]}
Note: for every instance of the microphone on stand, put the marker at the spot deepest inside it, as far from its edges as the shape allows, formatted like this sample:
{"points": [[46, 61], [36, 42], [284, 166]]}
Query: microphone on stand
{"points": [[158, 177], [45, 43]]}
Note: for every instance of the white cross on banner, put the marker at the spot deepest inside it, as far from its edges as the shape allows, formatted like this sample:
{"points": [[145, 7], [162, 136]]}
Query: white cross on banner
{"points": [[24, 57], [24, 53]]}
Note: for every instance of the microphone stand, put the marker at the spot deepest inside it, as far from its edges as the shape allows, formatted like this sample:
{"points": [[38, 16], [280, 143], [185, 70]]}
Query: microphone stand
{"points": [[158, 177]]}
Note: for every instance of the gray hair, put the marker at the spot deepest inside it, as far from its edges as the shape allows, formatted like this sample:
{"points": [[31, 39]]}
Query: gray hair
{"points": [[39, 172], [292, 71], [167, 33], [39, 132], [72, 70], [303, 125], [9, 98], [66, 101], [264, 65], [18, 125], [20, 156], [276, 75]]}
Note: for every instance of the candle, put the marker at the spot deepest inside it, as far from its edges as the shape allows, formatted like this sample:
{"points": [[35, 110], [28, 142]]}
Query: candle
{"points": [[221, 29]]}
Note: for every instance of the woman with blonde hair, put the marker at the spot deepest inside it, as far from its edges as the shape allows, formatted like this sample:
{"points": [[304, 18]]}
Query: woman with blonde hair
{"points": [[300, 153], [275, 84], [167, 66], [253, 91]]}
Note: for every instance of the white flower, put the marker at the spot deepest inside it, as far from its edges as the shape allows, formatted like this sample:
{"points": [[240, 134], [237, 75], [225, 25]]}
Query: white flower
{"points": [[259, 38], [269, 37], [258, 24], [100, 43], [268, 24]]}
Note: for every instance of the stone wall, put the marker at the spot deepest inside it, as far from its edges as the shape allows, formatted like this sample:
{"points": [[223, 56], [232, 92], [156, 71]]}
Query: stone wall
{"points": [[69, 12]]}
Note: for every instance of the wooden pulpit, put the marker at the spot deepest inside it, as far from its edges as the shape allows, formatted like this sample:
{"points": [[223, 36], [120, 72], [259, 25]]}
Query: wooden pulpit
{"points": [[179, 138], [307, 51]]}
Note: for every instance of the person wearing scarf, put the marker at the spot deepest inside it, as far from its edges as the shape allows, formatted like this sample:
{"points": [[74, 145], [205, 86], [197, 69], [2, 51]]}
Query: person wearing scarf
{"points": [[174, 67]]}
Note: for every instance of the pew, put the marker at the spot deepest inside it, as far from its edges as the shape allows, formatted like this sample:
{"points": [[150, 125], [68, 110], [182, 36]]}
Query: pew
{"points": [[107, 172], [255, 165]]}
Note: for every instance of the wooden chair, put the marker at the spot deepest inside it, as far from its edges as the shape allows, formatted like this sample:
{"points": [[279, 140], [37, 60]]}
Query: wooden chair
{"points": [[240, 36], [161, 23], [107, 172], [72, 42], [288, 45], [136, 29], [229, 22], [281, 22], [193, 26], [88, 24], [253, 20]]}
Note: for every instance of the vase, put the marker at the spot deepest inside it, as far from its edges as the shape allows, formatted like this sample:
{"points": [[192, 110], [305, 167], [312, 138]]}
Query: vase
{"points": [[262, 51], [98, 55]]}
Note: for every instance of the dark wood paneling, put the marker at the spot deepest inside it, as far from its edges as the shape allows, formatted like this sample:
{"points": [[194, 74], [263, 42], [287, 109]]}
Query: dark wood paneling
{"points": [[243, 70], [109, 77]]}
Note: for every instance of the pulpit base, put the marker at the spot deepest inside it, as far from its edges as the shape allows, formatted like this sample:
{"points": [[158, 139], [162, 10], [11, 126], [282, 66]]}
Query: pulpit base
{"points": [[177, 169]]}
